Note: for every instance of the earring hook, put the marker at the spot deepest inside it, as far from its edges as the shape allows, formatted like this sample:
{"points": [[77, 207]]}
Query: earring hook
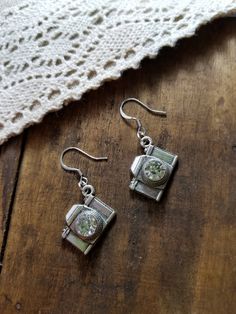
{"points": [[73, 169], [140, 129]]}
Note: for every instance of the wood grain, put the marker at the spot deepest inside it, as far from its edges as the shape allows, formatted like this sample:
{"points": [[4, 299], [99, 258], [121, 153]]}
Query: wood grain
{"points": [[177, 256], [9, 167]]}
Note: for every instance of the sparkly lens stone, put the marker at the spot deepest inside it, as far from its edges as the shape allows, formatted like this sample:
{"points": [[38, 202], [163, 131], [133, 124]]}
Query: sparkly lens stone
{"points": [[155, 170], [87, 225]]}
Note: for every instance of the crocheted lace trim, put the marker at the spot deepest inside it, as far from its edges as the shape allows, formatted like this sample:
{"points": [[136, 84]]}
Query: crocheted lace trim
{"points": [[53, 51]]}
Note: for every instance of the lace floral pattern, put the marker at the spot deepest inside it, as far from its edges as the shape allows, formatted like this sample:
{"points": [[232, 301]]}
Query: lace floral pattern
{"points": [[52, 51]]}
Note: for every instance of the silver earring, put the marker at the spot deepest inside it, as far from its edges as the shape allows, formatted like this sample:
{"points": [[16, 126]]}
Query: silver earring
{"points": [[151, 171], [85, 222]]}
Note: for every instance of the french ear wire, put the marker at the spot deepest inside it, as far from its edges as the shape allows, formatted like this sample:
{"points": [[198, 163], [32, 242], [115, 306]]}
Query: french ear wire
{"points": [[140, 129], [83, 180]]}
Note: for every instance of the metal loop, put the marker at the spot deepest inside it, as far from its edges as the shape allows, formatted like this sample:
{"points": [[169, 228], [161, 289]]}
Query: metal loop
{"points": [[141, 132], [83, 181], [77, 170], [146, 141], [88, 190], [140, 128]]}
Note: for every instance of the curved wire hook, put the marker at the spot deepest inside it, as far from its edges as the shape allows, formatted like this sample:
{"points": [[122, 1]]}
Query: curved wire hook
{"points": [[77, 170], [138, 121]]}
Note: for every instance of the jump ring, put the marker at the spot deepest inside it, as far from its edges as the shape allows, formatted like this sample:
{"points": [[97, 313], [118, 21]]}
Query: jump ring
{"points": [[141, 132], [88, 190], [83, 182], [145, 141]]}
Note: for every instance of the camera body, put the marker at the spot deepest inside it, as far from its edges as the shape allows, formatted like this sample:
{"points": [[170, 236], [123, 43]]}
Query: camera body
{"points": [[151, 172], [86, 222]]}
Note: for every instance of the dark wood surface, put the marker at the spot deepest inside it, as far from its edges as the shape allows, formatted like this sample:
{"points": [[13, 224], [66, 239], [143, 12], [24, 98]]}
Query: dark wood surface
{"points": [[177, 256]]}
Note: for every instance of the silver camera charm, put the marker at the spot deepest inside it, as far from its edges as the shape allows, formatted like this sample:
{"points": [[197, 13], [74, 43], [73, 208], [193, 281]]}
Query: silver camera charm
{"points": [[152, 171], [86, 222]]}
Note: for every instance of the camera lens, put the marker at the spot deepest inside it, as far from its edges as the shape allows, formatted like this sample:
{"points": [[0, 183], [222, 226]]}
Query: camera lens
{"points": [[88, 224], [155, 171]]}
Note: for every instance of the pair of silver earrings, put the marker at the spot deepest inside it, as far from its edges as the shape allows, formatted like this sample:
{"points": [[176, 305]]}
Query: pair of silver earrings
{"points": [[151, 171]]}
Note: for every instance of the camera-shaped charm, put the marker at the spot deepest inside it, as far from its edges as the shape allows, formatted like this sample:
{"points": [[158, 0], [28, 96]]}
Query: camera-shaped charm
{"points": [[152, 171], [86, 222]]}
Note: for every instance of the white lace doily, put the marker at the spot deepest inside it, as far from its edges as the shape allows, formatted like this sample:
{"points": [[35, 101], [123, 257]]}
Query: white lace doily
{"points": [[52, 51]]}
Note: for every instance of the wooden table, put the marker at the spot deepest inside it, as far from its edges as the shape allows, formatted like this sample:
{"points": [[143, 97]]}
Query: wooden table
{"points": [[176, 256]]}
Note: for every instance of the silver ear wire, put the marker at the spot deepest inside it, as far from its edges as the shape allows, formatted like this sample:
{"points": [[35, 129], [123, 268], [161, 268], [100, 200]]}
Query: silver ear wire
{"points": [[140, 129], [83, 181]]}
